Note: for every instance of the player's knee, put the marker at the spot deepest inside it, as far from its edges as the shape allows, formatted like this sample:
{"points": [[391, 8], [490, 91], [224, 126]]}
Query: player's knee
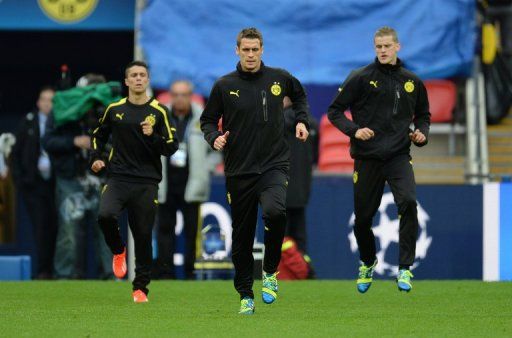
{"points": [[106, 219], [409, 203], [275, 215]]}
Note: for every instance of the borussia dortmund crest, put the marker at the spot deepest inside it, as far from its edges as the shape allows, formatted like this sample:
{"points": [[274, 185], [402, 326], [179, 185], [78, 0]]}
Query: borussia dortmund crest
{"points": [[409, 86], [276, 89], [68, 11], [355, 177], [151, 119]]}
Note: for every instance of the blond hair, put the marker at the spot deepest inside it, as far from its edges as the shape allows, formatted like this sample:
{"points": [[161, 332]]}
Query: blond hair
{"points": [[386, 31]]}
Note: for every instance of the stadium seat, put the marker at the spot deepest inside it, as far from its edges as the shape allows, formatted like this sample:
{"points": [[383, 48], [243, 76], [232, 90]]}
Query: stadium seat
{"points": [[442, 96], [334, 146], [15, 268]]}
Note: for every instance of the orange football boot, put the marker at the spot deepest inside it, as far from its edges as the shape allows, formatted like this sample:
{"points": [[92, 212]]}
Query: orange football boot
{"points": [[139, 296], [119, 264]]}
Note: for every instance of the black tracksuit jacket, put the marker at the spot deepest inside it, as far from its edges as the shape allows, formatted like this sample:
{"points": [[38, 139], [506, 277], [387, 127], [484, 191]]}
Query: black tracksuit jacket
{"points": [[386, 99], [251, 107], [135, 157]]}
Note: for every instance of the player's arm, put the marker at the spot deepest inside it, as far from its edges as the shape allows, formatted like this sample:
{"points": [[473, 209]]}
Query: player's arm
{"points": [[300, 106], [421, 117], [211, 115], [299, 101], [347, 93], [99, 139], [53, 141], [164, 137]]}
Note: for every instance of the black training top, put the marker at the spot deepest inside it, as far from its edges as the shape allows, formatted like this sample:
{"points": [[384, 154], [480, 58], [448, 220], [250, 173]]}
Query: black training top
{"points": [[135, 157], [251, 107], [386, 99]]}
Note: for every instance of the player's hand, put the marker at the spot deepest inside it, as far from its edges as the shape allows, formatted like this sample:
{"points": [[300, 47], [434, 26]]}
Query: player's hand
{"points": [[220, 141], [301, 132], [147, 128], [417, 137], [97, 166], [82, 142], [364, 134]]}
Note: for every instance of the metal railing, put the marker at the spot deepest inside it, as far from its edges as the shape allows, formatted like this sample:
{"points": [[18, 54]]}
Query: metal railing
{"points": [[477, 160]]}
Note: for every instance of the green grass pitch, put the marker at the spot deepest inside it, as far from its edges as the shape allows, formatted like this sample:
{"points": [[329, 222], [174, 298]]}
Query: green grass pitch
{"points": [[209, 309]]}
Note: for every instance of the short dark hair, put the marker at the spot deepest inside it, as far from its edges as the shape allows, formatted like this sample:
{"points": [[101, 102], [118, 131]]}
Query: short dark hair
{"points": [[386, 31], [135, 63], [249, 33]]}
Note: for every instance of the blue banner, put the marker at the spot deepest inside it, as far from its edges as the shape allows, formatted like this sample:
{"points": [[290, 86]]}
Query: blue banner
{"points": [[317, 41], [67, 14], [449, 244]]}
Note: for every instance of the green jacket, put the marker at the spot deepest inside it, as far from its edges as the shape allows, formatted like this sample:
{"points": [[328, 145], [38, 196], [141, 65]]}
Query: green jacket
{"points": [[72, 104]]}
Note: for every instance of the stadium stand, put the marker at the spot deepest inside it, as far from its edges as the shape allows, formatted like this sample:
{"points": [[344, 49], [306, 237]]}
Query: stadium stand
{"points": [[442, 97], [441, 161], [500, 148], [334, 146], [442, 100]]}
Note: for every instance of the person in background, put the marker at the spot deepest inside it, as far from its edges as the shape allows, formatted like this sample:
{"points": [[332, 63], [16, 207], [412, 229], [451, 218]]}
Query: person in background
{"points": [[32, 173], [185, 183], [299, 187], [77, 196]]}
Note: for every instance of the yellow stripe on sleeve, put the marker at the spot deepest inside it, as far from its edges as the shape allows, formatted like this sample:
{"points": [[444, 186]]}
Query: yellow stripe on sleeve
{"points": [[118, 103], [155, 105]]}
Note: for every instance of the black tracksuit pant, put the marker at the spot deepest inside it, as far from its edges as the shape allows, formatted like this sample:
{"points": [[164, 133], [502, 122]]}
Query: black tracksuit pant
{"points": [[244, 195], [370, 177], [140, 200], [167, 236]]}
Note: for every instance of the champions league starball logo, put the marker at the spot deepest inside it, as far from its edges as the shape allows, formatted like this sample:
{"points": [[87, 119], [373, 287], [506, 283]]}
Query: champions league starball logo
{"points": [[215, 236], [386, 235]]}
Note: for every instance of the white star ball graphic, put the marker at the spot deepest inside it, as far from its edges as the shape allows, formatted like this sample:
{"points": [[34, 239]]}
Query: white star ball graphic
{"points": [[386, 233]]}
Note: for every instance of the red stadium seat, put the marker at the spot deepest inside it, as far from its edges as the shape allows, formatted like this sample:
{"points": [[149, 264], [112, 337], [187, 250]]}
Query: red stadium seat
{"points": [[334, 148], [442, 95]]}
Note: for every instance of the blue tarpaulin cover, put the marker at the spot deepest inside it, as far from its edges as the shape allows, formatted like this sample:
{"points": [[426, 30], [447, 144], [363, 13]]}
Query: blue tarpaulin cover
{"points": [[319, 41]]}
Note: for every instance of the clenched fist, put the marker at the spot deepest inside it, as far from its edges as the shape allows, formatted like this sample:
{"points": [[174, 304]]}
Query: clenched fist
{"points": [[97, 166], [417, 137], [301, 132], [364, 134], [147, 128]]}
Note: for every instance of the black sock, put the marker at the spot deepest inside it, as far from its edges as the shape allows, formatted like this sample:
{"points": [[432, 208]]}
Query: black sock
{"points": [[406, 267]]}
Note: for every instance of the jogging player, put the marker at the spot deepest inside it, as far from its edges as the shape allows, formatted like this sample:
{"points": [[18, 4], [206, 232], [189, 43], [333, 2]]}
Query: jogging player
{"points": [[384, 99], [250, 102], [141, 133]]}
